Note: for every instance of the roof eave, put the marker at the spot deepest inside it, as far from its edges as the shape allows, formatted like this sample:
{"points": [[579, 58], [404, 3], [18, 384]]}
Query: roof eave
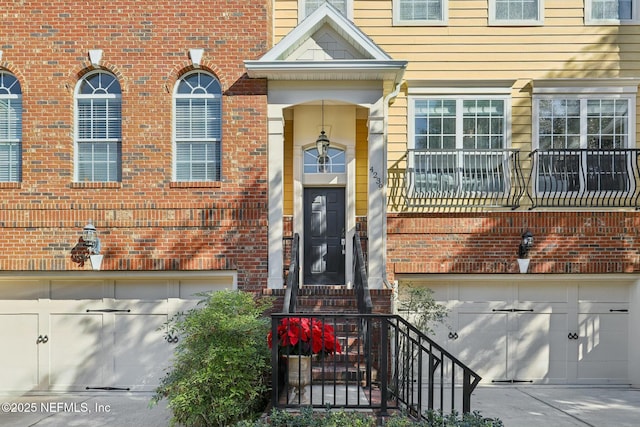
{"points": [[330, 70]]}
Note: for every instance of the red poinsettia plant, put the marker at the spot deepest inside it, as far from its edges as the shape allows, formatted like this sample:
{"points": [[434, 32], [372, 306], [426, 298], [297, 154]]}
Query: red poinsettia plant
{"points": [[305, 336]]}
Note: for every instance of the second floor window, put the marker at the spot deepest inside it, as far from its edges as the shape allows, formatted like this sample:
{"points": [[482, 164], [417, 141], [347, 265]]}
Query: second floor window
{"points": [[10, 128], [419, 12], [582, 144], [458, 145], [98, 130], [611, 11], [516, 12], [197, 128], [307, 7]]}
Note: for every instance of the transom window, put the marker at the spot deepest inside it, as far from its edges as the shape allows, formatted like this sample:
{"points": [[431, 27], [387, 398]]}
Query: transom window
{"points": [[198, 128], [419, 12], [516, 12], [10, 128], [458, 145], [98, 130], [581, 143], [611, 11], [333, 162]]}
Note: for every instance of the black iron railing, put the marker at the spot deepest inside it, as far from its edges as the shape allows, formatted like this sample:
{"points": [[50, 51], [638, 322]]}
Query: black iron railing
{"points": [[360, 280], [585, 178], [292, 278], [405, 370], [491, 178]]}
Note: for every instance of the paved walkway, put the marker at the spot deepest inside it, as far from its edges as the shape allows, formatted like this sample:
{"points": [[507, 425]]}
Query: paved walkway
{"points": [[516, 406]]}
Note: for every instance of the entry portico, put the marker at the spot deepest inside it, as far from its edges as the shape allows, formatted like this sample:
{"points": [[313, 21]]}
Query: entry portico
{"points": [[328, 75]]}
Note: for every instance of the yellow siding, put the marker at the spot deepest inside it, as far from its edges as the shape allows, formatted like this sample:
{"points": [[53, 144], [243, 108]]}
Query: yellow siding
{"points": [[362, 165], [288, 168], [467, 48]]}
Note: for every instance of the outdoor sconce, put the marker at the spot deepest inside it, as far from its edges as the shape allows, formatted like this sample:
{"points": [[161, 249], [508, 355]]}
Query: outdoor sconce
{"points": [[88, 248], [523, 251]]}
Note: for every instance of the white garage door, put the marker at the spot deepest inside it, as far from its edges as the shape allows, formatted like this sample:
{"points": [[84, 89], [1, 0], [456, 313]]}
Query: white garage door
{"points": [[551, 332], [86, 334]]}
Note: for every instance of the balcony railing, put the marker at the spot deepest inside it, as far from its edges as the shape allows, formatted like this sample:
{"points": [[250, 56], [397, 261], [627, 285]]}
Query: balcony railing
{"points": [[569, 178], [585, 178], [491, 178]]}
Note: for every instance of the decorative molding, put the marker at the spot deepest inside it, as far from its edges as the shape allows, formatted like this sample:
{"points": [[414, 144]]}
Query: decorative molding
{"points": [[196, 57], [95, 56]]}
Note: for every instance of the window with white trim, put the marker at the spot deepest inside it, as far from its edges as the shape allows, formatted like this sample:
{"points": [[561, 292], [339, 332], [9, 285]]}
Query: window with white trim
{"points": [[458, 144], [581, 141], [10, 128], [197, 128], [420, 12], [333, 162], [516, 12], [98, 128], [307, 7], [611, 12]]}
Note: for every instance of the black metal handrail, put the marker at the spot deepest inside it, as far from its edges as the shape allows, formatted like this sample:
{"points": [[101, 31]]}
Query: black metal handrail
{"points": [[293, 278], [409, 371], [585, 178], [474, 177], [360, 278]]}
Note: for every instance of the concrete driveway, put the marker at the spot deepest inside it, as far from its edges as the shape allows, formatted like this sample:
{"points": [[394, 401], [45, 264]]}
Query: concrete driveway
{"points": [[559, 406], [116, 409], [516, 406]]}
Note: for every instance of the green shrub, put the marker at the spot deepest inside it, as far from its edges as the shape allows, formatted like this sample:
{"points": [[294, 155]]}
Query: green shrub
{"points": [[221, 363], [437, 419], [341, 418], [310, 418]]}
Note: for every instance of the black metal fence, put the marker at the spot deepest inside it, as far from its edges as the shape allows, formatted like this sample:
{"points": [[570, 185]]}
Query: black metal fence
{"points": [[403, 369]]}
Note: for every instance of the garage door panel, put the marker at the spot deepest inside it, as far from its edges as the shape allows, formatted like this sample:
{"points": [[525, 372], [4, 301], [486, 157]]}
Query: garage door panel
{"points": [[141, 350], [543, 293], [141, 290], [603, 293], [602, 346], [19, 361], [77, 289], [76, 351], [541, 347], [482, 344]]}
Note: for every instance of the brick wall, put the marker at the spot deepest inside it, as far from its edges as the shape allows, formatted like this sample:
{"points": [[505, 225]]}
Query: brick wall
{"points": [[145, 221], [564, 242]]}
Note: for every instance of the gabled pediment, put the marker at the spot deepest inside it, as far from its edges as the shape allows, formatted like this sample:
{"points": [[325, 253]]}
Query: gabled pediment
{"points": [[326, 46]]}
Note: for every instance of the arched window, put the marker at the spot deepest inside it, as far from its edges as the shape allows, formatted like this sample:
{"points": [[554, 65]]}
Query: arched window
{"points": [[10, 128], [332, 162], [197, 128], [98, 129]]}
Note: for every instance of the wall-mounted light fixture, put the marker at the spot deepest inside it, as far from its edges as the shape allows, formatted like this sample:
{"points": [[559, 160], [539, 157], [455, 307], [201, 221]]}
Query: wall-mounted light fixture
{"points": [[88, 248], [526, 243]]}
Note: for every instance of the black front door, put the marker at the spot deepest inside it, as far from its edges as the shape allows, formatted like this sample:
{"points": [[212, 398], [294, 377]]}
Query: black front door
{"points": [[323, 236]]}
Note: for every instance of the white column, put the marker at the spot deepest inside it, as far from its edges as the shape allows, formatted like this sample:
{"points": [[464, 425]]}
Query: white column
{"points": [[276, 190], [377, 211]]}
